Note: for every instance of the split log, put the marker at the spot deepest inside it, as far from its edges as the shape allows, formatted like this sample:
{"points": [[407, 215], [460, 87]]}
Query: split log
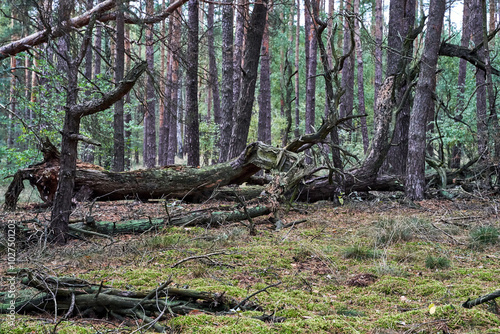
{"points": [[71, 295]]}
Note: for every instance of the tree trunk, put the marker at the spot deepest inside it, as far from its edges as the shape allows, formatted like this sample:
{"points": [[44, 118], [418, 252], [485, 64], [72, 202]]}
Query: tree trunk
{"points": [[164, 98], [311, 65], [149, 153], [175, 24], [347, 83], [361, 88], [227, 82], [213, 73], [481, 104], [251, 63], [241, 19], [401, 22], [379, 23], [415, 172], [297, 77], [73, 114], [192, 134], [118, 121], [264, 128]]}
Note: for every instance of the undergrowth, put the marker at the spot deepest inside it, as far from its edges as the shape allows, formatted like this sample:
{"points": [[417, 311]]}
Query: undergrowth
{"points": [[355, 269]]}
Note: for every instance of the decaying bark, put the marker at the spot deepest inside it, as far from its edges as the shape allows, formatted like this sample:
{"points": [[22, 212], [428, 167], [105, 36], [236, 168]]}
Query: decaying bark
{"points": [[72, 296]]}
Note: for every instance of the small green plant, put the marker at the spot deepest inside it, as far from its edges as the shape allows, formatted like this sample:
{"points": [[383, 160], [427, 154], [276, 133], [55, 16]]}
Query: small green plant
{"points": [[360, 253], [441, 262], [483, 236], [348, 312]]}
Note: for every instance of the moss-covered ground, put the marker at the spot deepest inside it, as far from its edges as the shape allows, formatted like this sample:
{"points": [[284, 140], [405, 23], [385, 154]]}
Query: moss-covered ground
{"points": [[413, 255]]}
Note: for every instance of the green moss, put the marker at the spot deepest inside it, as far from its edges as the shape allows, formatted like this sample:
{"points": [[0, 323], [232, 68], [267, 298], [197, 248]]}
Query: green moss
{"points": [[392, 285]]}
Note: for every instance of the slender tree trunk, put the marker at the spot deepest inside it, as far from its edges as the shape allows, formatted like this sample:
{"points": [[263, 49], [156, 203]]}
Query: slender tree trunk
{"points": [[493, 127], [13, 102], [228, 84], [128, 114], [264, 129], [361, 89], [192, 135], [311, 51], [481, 103], [492, 21], [415, 172], [347, 83], [118, 122], [214, 76], [297, 77], [379, 23], [149, 153], [462, 75], [163, 122], [241, 18], [175, 22], [251, 64], [311, 64]]}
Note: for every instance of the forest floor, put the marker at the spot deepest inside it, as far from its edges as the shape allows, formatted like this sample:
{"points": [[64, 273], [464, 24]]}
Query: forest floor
{"points": [[378, 266]]}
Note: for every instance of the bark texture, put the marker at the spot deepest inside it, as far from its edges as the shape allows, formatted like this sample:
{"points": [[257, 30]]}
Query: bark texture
{"points": [[423, 102], [251, 63]]}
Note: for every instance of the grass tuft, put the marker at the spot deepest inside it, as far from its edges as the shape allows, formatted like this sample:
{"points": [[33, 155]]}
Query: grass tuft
{"points": [[483, 236], [359, 252], [441, 262]]}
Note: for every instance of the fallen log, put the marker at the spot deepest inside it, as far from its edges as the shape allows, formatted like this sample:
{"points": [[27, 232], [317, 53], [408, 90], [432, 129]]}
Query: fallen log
{"points": [[196, 218], [188, 183], [71, 296], [480, 300]]}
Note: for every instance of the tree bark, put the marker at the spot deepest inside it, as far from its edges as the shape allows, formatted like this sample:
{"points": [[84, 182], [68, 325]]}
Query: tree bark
{"points": [[175, 24], [361, 88], [251, 63], [228, 83], [379, 23], [311, 64], [164, 95], [264, 128], [118, 119], [192, 134], [213, 72], [149, 152], [239, 37], [347, 83], [399, 55], [415, 171], [297, 77], [481, 102]]}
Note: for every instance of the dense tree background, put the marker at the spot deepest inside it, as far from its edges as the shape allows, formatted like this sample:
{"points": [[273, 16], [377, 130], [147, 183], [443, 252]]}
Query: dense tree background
{"points": [[221, 75]]}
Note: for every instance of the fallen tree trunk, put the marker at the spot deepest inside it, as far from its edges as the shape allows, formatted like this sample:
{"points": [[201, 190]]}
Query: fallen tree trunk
{"points": [[71, 296], [188, 183], [204, 217]]}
